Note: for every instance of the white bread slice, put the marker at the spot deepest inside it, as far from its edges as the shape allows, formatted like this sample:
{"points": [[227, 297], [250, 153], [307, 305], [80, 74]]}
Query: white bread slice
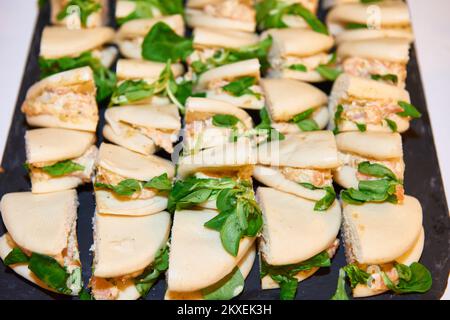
{"points": [[203, 107], [245, 265], [60, 41], [40, 223], [198, 18], [125, 245], [135, 69], [385, 49], [229, 72], [55, 144], [312, 150], [289, 220], [223, 38], [211, 262]]}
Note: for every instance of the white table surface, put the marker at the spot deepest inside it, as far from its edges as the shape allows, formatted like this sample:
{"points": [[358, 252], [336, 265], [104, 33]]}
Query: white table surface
{"points": [[431, 28]]}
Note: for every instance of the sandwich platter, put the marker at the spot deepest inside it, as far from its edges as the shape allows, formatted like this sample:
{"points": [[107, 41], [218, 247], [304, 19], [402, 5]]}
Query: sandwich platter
{"points": [[41, 141]]}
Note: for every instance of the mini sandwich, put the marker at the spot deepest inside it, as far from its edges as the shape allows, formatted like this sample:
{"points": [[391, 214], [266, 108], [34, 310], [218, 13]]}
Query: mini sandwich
{"points": [[294, 106], [60, 42], [296, 240], [142, 76], [63, 100], [378, 59], [59, 159], [227, 15], [130, 253], [131, 34], [383, 243], [289, 57], [210, 123], [370, 157], [88, 14], [143, 128], [41, 243], [212, 46], [234, 160], [199, 266], [301, 164], [369, 105], [236, 83], [358, 21], [129, 183]]}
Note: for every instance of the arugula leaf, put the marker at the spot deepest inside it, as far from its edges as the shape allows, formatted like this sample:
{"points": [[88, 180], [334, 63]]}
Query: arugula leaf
{"points": [[135, 90], [303, 121], [130, 91], [355, 25], [265, 119], [310, 18], [15, 256], [62, 168], [160, 183], [226, 288], [327, 200], [265, 127], [370, 1], [270, 13], [340, 293], [373, 190], [125, 187], [298, 67], [49, 271], [337, 118], [376, 170], [185, 90], [389, 77], [392, 124], [241, 86], [362, 127], [152, 273], [162, 44], [285, 275], [288, 286], [408, 110], [231, 234], [356, 275], [179, 196], [327, 72], [225, 120], [87, 7], [105, 79], [415, 278], [145, 9], [85, 295]]}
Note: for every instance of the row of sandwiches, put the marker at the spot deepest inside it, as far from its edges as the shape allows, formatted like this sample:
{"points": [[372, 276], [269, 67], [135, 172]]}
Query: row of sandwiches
{"points": [[150, 215], [247, 15]]}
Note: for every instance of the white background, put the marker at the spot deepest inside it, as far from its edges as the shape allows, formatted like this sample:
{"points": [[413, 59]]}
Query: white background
{"points": [[431, 27]]}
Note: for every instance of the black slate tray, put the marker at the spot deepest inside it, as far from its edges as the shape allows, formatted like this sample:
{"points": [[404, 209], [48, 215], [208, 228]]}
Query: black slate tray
{"points": [[423, 180]]}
